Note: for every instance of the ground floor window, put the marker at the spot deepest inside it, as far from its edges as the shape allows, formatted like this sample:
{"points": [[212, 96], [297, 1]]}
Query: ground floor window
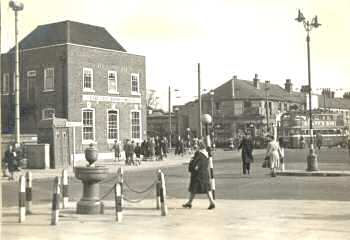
{"points": [[135, 125], [88, 116], [113, 125], [48, 113]]}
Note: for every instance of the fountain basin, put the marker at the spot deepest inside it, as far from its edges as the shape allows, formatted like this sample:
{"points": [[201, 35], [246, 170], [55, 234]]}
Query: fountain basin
{"points": [[90, 202]]}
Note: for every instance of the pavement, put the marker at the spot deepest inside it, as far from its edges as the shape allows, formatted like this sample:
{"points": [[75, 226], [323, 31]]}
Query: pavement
{"points": [[231, 219]]}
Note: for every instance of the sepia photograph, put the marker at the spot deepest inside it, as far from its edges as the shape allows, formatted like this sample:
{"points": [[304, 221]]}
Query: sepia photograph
{"points": [[174, 119]]}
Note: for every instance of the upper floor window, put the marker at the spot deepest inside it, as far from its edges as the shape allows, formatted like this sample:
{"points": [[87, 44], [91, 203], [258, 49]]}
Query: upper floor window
{"points": [[135, 125], [31, 84], [6, 83], [48, 113], [88, 79], [88, 116], [112, 82], [135, 89], [49, 79]]}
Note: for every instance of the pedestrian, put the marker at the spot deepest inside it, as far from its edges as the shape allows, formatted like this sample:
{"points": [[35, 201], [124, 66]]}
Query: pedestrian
{"points": [[165, 146], [247, 153], [144, 149], [282, 156], [10, 161], [152, 148], [318, 140], [116, 148], [273, 153], [199, 181], [138, 154], [302, 142]]}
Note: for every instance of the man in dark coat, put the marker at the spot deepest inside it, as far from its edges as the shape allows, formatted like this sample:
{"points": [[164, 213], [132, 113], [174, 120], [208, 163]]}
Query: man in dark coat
{"points": [[247, 153], [10, 160], [199, 182]]}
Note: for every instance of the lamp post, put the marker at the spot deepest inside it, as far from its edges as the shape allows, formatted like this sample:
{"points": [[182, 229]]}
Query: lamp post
{"points": [[267, 105], [312, 164], [16, 7], [170, 130]]}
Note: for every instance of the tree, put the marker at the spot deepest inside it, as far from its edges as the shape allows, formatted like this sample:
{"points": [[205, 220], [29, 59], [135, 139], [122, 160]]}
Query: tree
{"points": [[152, 99]]}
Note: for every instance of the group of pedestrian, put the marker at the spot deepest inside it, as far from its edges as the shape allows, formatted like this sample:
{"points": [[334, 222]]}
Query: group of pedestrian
{"points": [[155, 148], [274, 156]]}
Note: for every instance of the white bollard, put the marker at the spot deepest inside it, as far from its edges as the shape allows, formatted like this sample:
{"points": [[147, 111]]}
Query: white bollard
{"points": [[211, 171], [56, 201], [65, 195], [118, 202], [163, 206], [29, 196], [22, 199]]}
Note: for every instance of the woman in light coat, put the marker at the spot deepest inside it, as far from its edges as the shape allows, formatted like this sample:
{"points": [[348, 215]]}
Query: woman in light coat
{"points": [[273, 152]]}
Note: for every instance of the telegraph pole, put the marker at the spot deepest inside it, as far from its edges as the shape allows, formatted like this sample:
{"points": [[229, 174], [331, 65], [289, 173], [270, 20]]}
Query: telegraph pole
{"points": [[199, 103], [16, 7], [169, 117]]}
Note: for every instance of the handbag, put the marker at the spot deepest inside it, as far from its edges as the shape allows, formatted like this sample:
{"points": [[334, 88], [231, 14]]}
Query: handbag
{"points": [[266, 162]]}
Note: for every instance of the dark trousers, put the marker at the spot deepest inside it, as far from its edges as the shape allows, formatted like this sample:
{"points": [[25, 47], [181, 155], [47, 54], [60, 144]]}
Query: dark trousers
{"points": [[246, 168]]}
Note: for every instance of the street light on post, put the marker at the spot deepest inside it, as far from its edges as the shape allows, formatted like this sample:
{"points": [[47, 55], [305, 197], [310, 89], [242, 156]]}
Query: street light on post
{"points": [[16, 7], [267, 88], [312, 164], [212, 93], [170, 130]]}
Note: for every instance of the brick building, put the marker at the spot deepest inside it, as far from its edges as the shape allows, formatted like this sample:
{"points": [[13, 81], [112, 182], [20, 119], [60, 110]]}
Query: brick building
{"points": [[80, 73], [239, 104]]}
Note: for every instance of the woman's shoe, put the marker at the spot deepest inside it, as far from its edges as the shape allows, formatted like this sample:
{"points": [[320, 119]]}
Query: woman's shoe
{"points": [[211, 206], [187, 205]]}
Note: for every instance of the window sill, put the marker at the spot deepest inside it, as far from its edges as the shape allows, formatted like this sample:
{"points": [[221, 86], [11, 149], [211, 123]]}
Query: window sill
{"points": [[88, 90], [87, 142], [48, 90], [135, 93], [113, 92], [111, 141]]}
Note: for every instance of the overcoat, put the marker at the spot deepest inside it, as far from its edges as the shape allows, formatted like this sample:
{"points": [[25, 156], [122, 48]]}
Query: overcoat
{"points": [[247, 150], [199, 182], [10, 159]]}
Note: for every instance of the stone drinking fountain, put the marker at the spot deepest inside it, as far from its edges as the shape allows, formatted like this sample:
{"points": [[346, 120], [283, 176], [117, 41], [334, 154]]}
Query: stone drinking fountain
{"points": [[90, 175]]}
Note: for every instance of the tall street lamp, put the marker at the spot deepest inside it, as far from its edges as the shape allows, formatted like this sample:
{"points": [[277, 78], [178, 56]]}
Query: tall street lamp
{"points": [[312, 164], [16, 7], [170, 130], [267, 88]]}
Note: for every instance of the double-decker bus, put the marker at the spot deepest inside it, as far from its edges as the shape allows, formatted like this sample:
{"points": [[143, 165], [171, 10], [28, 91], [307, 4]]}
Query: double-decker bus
{"points": [[294, 128]]}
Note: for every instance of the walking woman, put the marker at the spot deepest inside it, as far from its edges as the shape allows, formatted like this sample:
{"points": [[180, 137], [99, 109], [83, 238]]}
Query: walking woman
{"points": [[199, 182], [282, 156], [247, 153], [10, 160], [273, 153]]}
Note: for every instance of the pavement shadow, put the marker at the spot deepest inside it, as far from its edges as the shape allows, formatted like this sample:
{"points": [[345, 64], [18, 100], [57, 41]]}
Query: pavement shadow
{"points": [[342, 217]]}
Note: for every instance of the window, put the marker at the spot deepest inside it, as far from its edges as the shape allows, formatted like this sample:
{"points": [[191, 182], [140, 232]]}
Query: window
{"points": [[135, 83], [135, 125], [113, 125], [31, 82], [6, 83], [88, 80], [112, 82], [48, 113], [49, 79], [88, 116], [280, 106]]}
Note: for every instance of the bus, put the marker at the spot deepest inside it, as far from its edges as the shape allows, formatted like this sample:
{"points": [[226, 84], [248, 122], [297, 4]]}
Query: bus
{"points": [[294, 129]]}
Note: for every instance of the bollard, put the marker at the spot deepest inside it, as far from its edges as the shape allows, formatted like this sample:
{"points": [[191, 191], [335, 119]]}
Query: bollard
{"points": [[118, 202], [211, 171], [65, 197], [158, 193], [22, 199], [56, 201], [29, 196], [121, 181], [163, 206]]}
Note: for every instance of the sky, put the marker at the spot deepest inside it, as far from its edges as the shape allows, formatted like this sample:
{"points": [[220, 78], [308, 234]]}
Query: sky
{"points": [[227, 37]]}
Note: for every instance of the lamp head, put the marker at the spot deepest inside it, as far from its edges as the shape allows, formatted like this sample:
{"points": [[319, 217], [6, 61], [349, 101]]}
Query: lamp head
{"points": [[300, 17], [315, 22], [16, 6]]}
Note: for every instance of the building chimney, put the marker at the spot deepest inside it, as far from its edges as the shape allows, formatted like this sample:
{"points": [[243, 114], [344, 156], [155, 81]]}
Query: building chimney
{"points": [[332, 94], [288, 86], [233, 85], [256, 81]]}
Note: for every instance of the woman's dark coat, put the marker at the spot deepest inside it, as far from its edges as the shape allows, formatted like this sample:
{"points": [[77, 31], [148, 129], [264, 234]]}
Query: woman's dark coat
{"points": [[10, 159], [247, 150], [199, 173]]}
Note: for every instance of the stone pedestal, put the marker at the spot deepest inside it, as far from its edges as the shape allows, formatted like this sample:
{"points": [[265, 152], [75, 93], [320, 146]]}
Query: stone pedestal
{"points": [[90, 176]]}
